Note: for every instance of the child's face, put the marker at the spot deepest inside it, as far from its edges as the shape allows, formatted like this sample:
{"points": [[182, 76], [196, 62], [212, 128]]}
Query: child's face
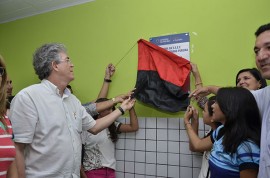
{"points": [[218, 115], [206, 117]]}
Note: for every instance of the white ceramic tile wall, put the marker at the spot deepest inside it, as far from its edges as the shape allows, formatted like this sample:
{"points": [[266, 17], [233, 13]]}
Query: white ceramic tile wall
{"points": [[159, 149]]}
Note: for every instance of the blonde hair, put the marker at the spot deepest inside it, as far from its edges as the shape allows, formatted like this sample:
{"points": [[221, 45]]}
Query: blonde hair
{"points": [[3, 93]]}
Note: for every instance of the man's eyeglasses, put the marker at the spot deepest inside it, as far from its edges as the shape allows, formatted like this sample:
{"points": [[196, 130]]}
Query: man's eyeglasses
{"points": [[2, 71], [67, 59]]}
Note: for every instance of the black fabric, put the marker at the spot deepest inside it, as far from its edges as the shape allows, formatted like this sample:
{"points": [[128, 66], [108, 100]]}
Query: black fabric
{"points": [[159, 93], [208, 173], [83, 152], [250, 165]]}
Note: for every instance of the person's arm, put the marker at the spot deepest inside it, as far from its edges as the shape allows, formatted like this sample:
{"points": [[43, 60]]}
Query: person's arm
{"points": [[195, 120], [20, 159], [196, 143], [106, 121], [133, 126], [198, 84], [101, 106], [204, 91], [83, 175], [249, 173], [12, 170], [197, 76], [110, 69], [93, 108]]}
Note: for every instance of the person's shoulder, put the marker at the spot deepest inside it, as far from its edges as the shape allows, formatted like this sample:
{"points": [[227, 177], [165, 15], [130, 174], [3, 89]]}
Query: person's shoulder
{"points": [[28, 91], [25, 89], [31, 88], [73, 97], [262, 93], [7, 120], [265, 89], [218, 133], [248, 146]]}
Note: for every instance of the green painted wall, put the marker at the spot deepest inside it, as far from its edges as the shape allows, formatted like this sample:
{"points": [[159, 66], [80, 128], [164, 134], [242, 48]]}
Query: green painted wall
{"points": [[99, 32]]}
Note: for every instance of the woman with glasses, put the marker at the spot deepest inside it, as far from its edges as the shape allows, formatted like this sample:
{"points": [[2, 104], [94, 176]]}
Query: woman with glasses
{"points": [[7, 148]]}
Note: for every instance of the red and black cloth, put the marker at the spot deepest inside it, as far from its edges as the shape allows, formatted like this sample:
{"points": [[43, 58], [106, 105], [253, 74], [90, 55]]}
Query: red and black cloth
{"points": [[162, 78]]}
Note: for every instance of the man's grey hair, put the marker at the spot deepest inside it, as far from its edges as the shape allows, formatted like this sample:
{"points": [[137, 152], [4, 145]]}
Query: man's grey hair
{"points": [[44, 56]]}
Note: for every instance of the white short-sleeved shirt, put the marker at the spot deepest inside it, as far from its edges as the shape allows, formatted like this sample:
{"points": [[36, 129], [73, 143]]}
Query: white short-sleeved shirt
{"points": [[99, 150], [51, 125], [262, 97]]}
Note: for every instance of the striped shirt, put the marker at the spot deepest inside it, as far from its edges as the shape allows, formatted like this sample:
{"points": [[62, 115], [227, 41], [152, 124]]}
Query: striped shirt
{"points": [[224, 165], [7, 148]]}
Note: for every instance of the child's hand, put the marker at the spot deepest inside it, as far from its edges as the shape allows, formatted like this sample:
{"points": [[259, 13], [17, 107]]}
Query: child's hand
{"points": [[195, 113], [188, 114]]}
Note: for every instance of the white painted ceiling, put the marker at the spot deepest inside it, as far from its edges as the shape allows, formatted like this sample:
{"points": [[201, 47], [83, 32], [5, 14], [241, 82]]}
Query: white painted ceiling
{"points": [[11, 10]]}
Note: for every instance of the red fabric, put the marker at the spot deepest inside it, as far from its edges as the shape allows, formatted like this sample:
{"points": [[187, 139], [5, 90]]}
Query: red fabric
{"points": [[101, 173], [170, 67]]}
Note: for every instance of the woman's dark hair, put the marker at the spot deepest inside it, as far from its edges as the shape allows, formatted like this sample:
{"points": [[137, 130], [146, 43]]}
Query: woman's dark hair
{"points": [[243, 122], [255, 73], [3, 93], [112, 128]]}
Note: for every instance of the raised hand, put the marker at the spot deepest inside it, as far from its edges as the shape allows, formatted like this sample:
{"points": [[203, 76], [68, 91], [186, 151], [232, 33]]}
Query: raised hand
{"points": [[188, 114], [127, 104], [199, 93], [110, 69], [122, 97]]}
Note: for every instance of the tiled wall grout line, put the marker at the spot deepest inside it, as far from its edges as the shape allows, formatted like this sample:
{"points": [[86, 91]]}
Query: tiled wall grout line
{"points": [[170, 157]]}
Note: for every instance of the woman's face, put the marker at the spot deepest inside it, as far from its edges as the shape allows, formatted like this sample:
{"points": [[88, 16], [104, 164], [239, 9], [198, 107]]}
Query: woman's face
{"points": [[218, 115], [248, 81], [206, 117]]}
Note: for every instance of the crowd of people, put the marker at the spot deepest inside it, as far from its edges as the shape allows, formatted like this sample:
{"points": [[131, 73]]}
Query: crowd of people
{"points": [[239, 147], [249, 78], [47, 120]]}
